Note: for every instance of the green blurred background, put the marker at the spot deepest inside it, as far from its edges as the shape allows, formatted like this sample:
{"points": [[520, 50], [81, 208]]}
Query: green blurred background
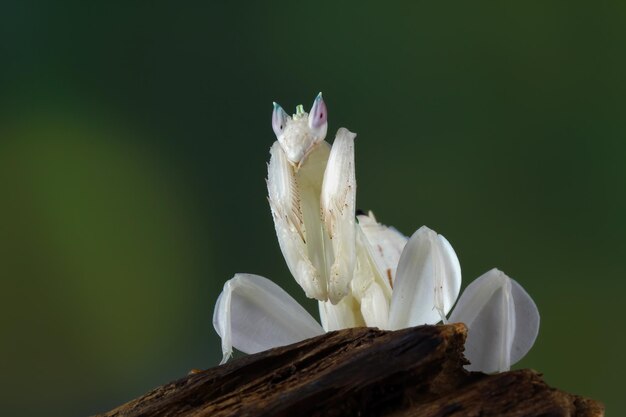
{"points": [[133, 144]]}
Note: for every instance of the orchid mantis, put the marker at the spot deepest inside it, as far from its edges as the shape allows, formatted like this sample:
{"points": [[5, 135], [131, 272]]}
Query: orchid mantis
{"points": [[362, 272]]}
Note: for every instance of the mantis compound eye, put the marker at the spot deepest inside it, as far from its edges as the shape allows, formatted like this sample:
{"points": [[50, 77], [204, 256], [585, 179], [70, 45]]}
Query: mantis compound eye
{"points": [[318, 115], [279, 120]]}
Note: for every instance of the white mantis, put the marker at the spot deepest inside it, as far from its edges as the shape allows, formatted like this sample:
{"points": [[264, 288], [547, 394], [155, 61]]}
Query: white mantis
{"points": [[312, 192], [361, 272]]}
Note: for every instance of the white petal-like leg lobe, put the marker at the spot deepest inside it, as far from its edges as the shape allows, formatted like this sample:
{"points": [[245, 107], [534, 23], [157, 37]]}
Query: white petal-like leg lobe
{"points": [[502, 321], [289, 221], [448, 291], [253, 314], [343, 315], [428, 281], [338, 211], [365, 271], [375, 307], [526, 322], [368, 287], [385, 246]]}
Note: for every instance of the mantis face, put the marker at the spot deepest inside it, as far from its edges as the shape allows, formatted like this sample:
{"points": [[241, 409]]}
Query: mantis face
{"points": [[299, 134]]}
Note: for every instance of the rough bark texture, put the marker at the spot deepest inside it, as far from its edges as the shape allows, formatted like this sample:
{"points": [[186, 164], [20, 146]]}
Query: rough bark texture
{"points": [[360, 372]]}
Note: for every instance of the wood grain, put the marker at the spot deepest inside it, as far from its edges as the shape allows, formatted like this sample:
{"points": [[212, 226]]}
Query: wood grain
{"points": [[360, 372]]}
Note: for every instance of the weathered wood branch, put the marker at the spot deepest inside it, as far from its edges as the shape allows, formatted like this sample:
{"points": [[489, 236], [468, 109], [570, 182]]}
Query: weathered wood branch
{"points": [[360, 372]]}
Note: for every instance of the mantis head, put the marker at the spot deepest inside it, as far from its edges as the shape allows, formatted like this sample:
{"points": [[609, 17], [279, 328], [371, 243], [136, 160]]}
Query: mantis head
{"points": [[299, 134]]}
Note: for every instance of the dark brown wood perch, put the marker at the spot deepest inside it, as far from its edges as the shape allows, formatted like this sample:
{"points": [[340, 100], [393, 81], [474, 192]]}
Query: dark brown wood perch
{"points": [[360, 372]]}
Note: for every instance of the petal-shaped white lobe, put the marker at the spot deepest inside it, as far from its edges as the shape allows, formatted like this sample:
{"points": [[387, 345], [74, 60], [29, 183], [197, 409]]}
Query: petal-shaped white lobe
{"points": [[253, 314], [526, 322], [375, 307], [385, 244], [343, 315], [428, 281], [368, 286], [284, 195], [502, 322], [447, 292], [338, 211], [364, 270]]}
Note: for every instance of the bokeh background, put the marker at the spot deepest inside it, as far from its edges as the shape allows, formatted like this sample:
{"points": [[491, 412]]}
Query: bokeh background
{"points": [[133, 144]]}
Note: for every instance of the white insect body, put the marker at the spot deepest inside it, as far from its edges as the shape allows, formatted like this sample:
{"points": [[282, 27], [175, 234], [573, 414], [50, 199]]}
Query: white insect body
{"points": [[312, 192], [362, 273]]}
